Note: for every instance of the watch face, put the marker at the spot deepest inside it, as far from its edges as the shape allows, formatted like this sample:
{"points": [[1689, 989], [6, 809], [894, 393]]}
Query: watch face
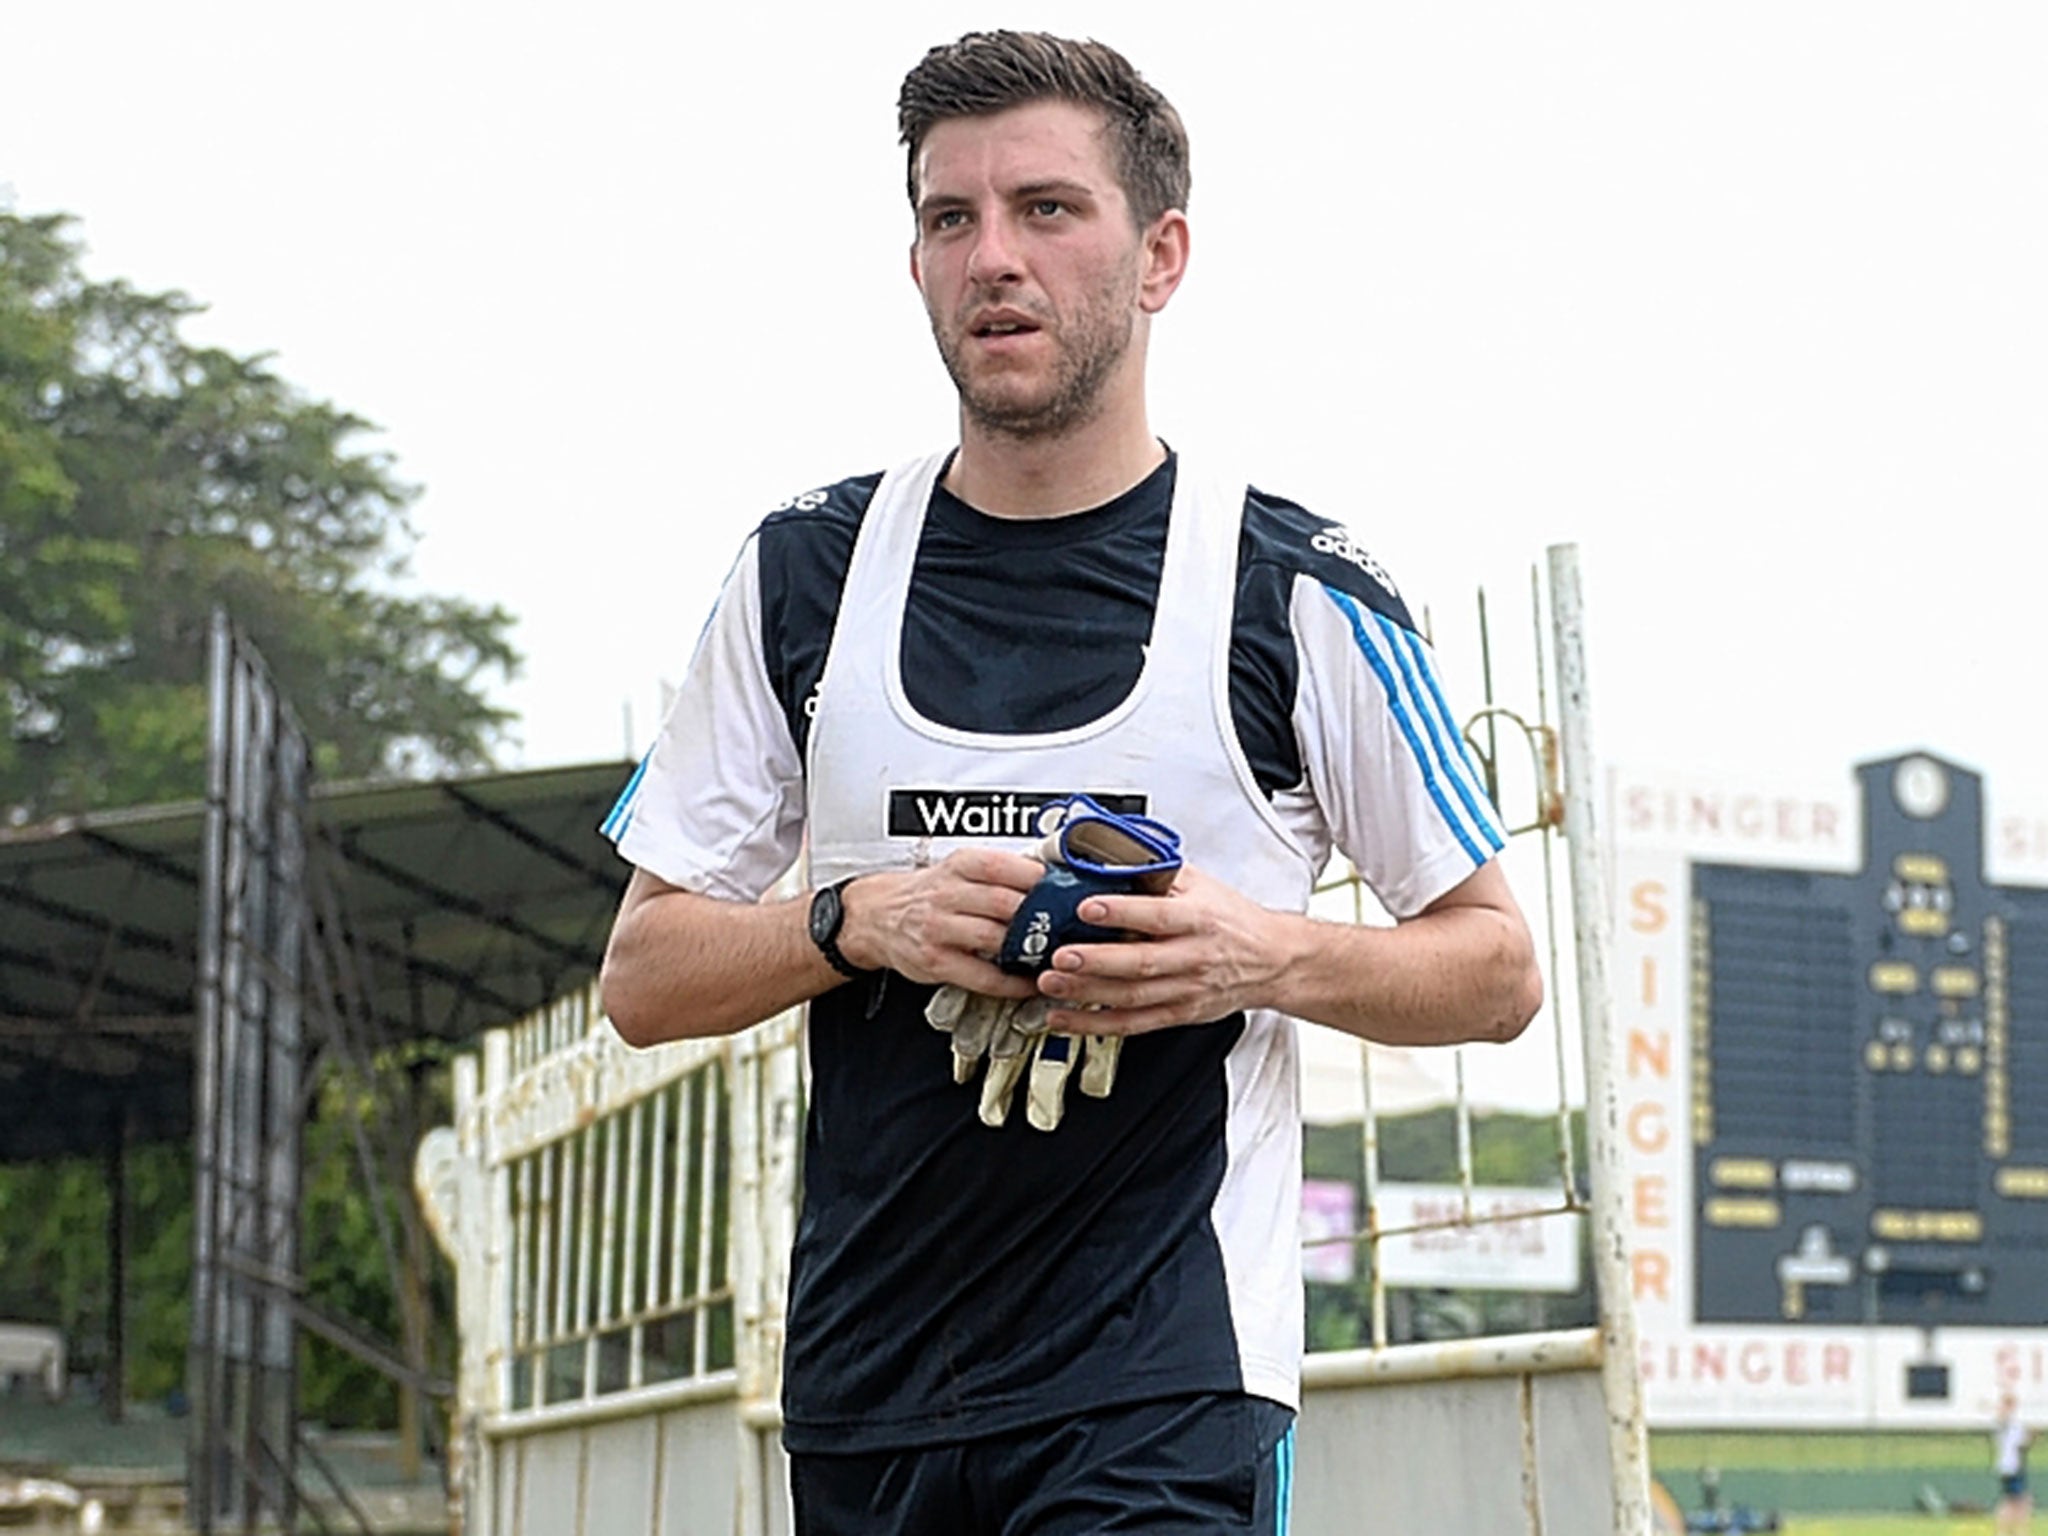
{"points": [[825, 915], [1920, 785]]}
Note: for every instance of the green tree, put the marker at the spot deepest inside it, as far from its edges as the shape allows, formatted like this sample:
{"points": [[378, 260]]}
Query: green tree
{"points": [[53, 1259], [145, 479], [342, 1254]]}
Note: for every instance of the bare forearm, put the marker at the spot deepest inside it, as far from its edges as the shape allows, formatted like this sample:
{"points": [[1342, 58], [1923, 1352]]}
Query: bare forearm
{"points": [[680, 965], [1465, 973]]}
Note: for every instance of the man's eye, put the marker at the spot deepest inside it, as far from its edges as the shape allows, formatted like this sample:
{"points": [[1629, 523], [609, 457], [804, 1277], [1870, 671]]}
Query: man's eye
{"points": [[948, 218], [1046, 207]]}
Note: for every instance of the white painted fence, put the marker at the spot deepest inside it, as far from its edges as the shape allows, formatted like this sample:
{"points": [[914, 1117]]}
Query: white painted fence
{"points": [[620, 1223]]}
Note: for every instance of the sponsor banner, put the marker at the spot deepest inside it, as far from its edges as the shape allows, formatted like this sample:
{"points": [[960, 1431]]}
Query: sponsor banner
{"points": [[1011, 813], [1733, 1378], [1509, 1244], [1811, 827], [2015, 838], [1654, 1073]]}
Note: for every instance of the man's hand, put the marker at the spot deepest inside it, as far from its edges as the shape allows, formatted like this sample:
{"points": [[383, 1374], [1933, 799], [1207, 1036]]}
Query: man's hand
{"points": [[680, 964], [1462, 969], [1211, 953], [1093, 851], [938, 924]]}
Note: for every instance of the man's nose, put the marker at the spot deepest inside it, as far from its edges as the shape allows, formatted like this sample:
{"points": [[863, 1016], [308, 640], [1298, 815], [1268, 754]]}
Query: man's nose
{"points": [[994, 257]]}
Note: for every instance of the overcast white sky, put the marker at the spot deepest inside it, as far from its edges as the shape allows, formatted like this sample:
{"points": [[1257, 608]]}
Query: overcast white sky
{"points": [[1746, 299]]}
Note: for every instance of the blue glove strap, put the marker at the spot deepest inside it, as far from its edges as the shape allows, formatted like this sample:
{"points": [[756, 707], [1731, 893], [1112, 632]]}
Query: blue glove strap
{"points": [[1050, 917], [1158, 840]]}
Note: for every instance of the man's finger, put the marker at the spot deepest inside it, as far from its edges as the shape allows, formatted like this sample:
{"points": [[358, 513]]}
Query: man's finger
{"points": [[1113, 984], [978, 975], [995, 904], [1116, 962], [970, 935], [1151, 916], [995, 867]]}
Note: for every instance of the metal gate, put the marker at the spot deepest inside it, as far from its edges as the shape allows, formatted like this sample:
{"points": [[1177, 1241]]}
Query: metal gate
{"points": [[620, 1225], [279, 1007], [249, 1114]]}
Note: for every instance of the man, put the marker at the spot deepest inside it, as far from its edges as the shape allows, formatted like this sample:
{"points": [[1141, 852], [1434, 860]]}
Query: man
{"points": [[2010, 1439], [996, 1327]]}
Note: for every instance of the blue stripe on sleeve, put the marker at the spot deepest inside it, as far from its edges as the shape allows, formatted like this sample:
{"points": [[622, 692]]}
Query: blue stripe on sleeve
{"points": [[1422, 656], [1463, 779], [1283, 1454], [1392, 689], [621, 816]]}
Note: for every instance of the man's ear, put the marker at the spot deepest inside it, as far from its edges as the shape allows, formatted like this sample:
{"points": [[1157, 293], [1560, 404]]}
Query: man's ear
{"points": [[1165, 260], [916, 271]]}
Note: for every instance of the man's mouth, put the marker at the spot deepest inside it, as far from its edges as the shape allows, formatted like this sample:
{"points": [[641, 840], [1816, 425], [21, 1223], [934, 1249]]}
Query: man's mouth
{"points": [[1006, 325]]}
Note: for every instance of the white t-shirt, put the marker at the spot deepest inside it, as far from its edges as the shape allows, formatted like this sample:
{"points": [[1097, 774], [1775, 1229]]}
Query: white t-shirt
{"points": [[2012, 1437]]}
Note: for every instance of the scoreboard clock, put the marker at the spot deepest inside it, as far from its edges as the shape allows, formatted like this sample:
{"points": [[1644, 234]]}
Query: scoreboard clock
{"points": [[1870, 1076]]}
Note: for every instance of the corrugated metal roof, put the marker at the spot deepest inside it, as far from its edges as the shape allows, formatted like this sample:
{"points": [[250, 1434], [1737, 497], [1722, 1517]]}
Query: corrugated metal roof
{"points": [[468, 902]]}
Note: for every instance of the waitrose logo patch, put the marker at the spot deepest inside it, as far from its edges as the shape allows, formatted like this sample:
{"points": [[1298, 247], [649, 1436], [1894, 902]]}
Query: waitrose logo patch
{"points": [[992, 812]]}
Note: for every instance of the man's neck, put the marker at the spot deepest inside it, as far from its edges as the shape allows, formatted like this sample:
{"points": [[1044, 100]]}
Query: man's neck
{"points": [[1050, 477]]}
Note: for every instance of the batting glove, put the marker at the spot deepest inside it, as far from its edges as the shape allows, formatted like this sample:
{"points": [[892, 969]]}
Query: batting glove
{"points": [[1094, 852]]}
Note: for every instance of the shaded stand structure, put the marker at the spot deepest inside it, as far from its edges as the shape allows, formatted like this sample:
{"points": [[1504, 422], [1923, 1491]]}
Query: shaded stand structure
{"points": [[198, 972]]}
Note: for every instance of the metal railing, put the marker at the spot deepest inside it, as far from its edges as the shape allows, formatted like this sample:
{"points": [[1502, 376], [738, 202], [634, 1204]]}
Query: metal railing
{"points": [[621, 1220]]}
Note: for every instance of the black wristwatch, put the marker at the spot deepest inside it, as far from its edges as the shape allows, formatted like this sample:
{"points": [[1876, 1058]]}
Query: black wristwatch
{"points": [[828, 916]]}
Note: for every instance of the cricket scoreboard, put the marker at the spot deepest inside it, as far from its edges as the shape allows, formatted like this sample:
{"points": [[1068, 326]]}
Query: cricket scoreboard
{"points": [[1834, 1015]]}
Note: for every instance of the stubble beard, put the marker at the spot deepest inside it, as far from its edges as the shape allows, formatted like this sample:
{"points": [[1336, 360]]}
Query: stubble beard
{"points": [[1087, 352]]}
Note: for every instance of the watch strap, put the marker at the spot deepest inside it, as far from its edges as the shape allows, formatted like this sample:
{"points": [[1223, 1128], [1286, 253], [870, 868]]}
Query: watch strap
{"points": [[826, 935]]}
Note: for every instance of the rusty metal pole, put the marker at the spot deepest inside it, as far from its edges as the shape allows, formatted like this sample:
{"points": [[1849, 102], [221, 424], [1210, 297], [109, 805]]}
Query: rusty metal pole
{"points": [[1627, 1441]]}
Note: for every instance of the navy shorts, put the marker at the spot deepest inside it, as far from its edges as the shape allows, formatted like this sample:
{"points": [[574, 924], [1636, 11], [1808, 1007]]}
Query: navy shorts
{"points": [[2013, 1485], [1178, 1467]]}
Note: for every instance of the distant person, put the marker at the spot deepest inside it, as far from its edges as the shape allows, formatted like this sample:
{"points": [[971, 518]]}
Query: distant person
{"points": [[2010, 1439]]}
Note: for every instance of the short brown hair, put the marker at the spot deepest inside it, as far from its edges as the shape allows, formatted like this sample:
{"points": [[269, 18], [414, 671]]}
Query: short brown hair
{"points": [[988, 72]]}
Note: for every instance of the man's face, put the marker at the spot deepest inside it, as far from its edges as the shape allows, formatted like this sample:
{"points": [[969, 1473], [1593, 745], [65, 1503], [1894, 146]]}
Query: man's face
{"points": [[1030, 268]]}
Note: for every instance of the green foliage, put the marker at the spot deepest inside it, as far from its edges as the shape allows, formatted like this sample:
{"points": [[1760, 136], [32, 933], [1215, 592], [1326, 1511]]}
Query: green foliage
{"points": [[54, 1247], [53, 1259], [143, 481], [1422, 1148], [341, 1252], [159, 1291], [51, 1222]]}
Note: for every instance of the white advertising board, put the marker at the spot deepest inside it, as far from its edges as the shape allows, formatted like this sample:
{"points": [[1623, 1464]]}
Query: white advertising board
{"points": [[1516, 1239]]}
